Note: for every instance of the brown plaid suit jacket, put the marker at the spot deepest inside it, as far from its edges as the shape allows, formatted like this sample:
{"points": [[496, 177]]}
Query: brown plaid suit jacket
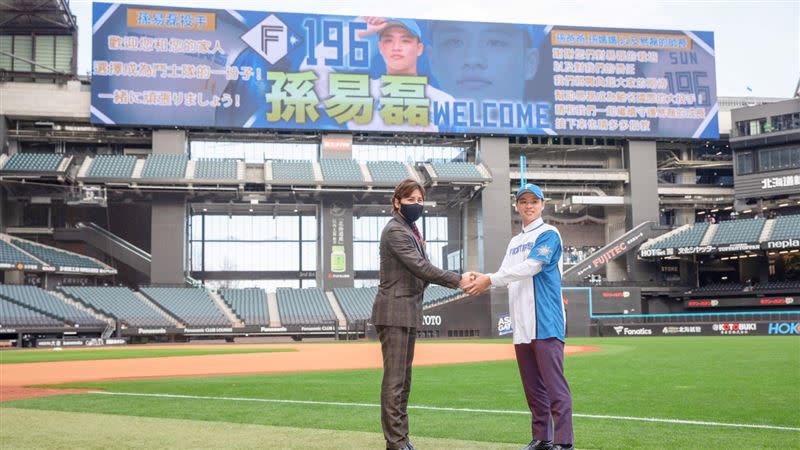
{"points": [[404, 274]]}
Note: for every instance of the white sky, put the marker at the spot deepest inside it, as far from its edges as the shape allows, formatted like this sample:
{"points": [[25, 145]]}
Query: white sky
{"points": [[757, 42]]}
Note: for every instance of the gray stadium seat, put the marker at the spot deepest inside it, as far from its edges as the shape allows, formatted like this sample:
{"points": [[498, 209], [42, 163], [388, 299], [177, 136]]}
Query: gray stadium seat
{"points": [[456, 171], [738, 231], [356, 303], [33, 162], [340, 170], [786, 227], [249, 305], [304, 307], [690, 237], [11, 256], [293, 172], [387, 172], [13, 315], [215, 169], [120, 303], [57, 258], [165, 166], [44, 302], [112, 166], [191, 306], [436, 294]]}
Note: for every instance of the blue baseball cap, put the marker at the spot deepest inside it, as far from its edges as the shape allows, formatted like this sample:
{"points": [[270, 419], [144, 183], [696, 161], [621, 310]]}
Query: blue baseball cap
{"points": [[532, 188], [408, 24]]}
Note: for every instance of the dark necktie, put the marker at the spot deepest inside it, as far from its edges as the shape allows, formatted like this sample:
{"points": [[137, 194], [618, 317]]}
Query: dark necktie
{"points": [[416, 233]]}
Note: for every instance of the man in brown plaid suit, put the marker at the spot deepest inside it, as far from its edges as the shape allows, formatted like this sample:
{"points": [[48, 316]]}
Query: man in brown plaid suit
{"points": [[405, 272]]}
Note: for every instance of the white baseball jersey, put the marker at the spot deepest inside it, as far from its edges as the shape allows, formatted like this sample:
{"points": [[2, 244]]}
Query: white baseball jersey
{"points": [[532, 270]]}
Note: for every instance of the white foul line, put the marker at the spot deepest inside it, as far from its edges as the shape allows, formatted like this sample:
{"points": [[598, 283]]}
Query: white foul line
{"points": [[438, 408]]}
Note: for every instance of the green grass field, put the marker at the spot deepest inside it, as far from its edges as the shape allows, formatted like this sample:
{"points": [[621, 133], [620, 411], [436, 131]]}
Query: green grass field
{"points": [[744, 381], [33, 356]]}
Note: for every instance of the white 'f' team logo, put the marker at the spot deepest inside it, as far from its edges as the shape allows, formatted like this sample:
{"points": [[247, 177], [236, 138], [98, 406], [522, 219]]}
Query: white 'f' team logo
{"points": [[269, 39]]}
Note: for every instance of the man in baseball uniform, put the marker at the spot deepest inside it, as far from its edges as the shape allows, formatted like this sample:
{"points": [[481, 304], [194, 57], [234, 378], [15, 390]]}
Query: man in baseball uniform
{"points": [[532, 271]]}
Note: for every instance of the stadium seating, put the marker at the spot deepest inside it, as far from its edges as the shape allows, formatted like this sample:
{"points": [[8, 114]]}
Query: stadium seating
{"points": [[293, 171], [191, 306], [58, 258], [33, 162], [738, 231], [304, 307], [120, 303], [249, 305], [718, 288], [10, 255], [165, 166], [689, 237], [435, 294], [215, 169], [47, 303], [456, 171], [13, 315], [112, 166], [786, 227], [387, 172], [340, 170], [356, 303], [783, 286]]}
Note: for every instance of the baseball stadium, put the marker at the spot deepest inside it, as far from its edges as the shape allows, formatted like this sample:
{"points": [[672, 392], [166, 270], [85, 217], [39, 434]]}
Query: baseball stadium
{"points": [[191, 234]]}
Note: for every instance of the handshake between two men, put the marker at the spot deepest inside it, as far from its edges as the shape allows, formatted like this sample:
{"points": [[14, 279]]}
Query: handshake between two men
{"points": [[474, 283]]}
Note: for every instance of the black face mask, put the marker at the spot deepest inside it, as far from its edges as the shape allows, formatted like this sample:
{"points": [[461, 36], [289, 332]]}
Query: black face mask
{"points": [[411, 212]]}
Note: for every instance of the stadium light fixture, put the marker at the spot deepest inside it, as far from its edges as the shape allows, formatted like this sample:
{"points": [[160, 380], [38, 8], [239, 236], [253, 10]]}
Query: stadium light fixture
{"points": [[701, 213], [783, 205], [729, 208], [747, 211], [715, 210]]}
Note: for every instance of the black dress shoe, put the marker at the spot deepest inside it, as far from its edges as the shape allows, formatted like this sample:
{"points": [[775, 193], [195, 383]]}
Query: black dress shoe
{"points": [[536, 444]]}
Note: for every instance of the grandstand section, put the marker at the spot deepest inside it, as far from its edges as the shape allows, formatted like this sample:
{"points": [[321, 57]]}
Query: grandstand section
{"points": [[356, 303], [33, 164], [744, 231], [165, 167], [14, 315], [193, 307], [249, 305], [216, 169], [304, 307], [456, 172], [388, 173], [341, 171], [436, 295], [12, 257], [61, 260], [46, 303], [109, 168], [292, 172], [119, 303]]}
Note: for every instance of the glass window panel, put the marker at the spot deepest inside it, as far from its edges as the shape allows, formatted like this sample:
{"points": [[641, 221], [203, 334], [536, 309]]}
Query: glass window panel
{"points": [[365, 256], [197, 256], [309, 228], [309, 256], [253, 152]]}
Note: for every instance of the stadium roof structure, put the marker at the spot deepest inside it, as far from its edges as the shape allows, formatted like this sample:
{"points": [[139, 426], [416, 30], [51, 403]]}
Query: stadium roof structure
{"points": [[729, 237], [29, 256], [25, 15]]}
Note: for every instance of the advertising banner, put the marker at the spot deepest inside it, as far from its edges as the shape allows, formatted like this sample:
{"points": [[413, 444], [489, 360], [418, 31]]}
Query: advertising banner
{"points": [[169, 66]]}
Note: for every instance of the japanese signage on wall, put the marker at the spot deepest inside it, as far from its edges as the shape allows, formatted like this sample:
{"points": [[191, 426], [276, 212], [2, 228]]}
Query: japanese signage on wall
{"points": [[260, 69]]}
